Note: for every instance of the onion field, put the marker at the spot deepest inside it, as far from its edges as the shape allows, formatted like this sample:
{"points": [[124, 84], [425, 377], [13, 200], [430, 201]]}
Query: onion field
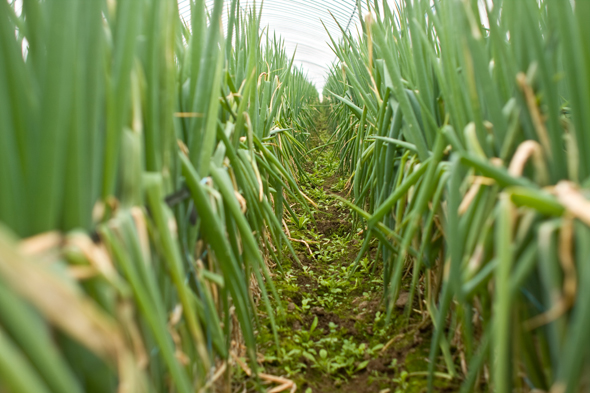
{"points": [[181, 212]]}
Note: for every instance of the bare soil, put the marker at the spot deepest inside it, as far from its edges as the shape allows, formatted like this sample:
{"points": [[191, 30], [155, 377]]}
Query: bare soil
{"points": [[399, 363]]}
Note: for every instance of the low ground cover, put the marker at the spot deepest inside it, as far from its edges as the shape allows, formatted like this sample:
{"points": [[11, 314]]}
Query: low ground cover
{"points": [[333, 334]]}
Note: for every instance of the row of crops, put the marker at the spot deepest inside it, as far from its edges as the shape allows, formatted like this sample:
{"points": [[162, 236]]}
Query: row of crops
{"points": [[463, 126], [146, 163]]}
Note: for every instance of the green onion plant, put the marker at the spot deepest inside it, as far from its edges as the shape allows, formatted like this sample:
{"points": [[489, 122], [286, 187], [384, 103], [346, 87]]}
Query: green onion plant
{"points": [[462, 126], [145, 161]]}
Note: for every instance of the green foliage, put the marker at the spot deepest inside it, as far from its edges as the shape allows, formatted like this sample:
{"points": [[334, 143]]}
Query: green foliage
{"points": [[464, 142], [175, 146]]}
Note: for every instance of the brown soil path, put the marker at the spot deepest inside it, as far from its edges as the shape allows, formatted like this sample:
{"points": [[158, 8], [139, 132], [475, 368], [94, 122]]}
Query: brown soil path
{"points": [[333, 337]]}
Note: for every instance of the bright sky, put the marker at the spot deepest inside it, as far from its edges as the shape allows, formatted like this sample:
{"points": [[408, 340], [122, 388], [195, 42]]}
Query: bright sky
{"points": [[298, 22]]}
